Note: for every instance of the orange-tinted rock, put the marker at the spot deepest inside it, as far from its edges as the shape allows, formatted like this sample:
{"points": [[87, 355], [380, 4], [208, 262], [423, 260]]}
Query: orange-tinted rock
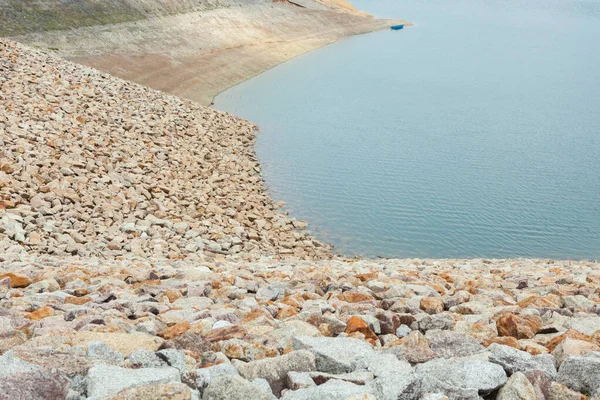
{"points": [[504, 340], [226, 333], [519, 326], [416, 348], [16, 281], [77, 300], [326, 330], [294, 300], [573, 347], [432, 305], [175, 330], [367, 277], [173, 295], [286, 312], [256, 314], [40, 313], [354, 297], [571, 333], [532, 347], [357, 324], [550, 301]]}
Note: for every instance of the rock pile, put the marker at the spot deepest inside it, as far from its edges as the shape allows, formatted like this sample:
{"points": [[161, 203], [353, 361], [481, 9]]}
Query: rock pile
{"points": [[94, 165], [390, 329]]}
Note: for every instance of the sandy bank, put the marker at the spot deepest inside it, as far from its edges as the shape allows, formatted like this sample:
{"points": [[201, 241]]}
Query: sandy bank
{"points": [[196, 55]]}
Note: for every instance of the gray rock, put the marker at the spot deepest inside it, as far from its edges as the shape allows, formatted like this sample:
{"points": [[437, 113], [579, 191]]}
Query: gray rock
{"points": [[173, 358], [334, 355], [356, 377], [581, 373], [275, 369], [233, 387], [104, 380], [403, 330], [588, 325], [518, 387], [436, 321], [263, 385], [146, 359], [460, 379], [330, 390], [101, 350], [298, 380], [448, 344], [205, 375], [9, 365], [395, 379], [513, 360]]}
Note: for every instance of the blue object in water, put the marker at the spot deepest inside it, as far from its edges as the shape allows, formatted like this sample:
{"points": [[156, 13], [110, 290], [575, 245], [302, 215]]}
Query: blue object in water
{"points": [[397, 27]]}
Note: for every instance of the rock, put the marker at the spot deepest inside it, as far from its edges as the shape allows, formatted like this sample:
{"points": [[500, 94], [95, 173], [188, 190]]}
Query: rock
{"points": [[175, 330], [205, 375], [449, 344], [124, 343], [40, 313], [68, 362], [581, 373], [573, 347], [102, 351], [22, 380], [105, 380], [331, 390], [561, 392], [226, 333], [191, 341], [588, 325], [416, 348], [513, 360], [432, 305], [579, 303], [403, 331], [540, 382], [233, 387], [298, 380], [460, 379], [357, 324], [334, 355], [161, 391], [33, 385], [173, 358], [357, 377], [519, 326], [517, 388], [395, 379], [146, 359], [275, 370], [16, 280]]}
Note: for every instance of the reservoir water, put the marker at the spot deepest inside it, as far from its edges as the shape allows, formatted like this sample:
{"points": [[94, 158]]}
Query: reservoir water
{"points": [[475, 133]]}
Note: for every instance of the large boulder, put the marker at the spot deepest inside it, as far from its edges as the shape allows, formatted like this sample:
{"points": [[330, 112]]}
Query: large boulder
{"points": [[275, 369], [105, 380], [233, 387], [581, 373], [460, 379], [330, 390], [518, 387], [334, 355], [513, 360]]}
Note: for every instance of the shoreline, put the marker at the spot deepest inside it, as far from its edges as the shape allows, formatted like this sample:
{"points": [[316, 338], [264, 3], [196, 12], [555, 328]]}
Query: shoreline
{"points": [[199, 55]]}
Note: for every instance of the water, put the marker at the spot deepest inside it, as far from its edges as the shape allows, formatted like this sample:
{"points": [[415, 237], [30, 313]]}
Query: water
{"points": [[475, 133]]}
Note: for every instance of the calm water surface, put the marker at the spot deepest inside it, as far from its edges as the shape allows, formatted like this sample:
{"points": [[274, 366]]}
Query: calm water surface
{"points": [[475, 133]]}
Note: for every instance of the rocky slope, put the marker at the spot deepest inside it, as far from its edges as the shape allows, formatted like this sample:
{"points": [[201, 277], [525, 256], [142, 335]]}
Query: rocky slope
{"points": [[94, 165], [397, 329], [190, 48]]}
